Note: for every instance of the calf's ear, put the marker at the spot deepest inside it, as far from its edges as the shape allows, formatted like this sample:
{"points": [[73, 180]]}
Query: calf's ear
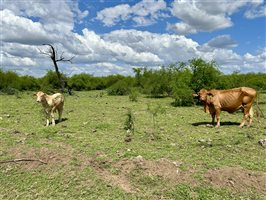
{"points": [[195, 95], [34, 94]]}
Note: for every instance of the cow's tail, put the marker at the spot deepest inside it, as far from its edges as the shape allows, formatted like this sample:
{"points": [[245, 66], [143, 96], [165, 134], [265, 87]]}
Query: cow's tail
{"points": [[259, 112]]}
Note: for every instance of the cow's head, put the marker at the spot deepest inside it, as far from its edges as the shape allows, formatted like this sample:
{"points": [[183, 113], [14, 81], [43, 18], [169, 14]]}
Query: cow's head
{"points": [[206, 97], [202, 95], [40, 96]]}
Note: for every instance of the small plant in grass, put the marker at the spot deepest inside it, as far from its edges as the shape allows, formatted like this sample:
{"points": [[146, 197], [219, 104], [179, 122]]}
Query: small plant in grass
{"points": [[129, 125], [155, 110], [133, 95]]}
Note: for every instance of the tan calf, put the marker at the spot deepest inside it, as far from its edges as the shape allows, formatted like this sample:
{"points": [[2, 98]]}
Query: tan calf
{"points": [[51, 104]]}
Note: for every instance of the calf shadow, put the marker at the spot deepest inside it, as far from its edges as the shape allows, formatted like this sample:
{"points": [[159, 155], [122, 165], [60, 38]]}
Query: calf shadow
{"points": [[62, 120], [228, 123]]}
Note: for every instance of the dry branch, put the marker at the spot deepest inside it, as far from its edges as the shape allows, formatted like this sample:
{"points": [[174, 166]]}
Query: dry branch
{"points": [[22, 160]]}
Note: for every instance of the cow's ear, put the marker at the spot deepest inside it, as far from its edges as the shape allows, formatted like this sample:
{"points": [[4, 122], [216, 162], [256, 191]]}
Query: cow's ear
{"points": [[195, 95], [34, 94]]}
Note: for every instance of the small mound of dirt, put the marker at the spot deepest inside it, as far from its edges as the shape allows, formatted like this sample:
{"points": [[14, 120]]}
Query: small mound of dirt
{"points": [[164, 168], [237, 179]]}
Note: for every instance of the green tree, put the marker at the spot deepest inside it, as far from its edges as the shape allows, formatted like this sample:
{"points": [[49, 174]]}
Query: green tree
{"points": [[50, 82], [205, 74]]}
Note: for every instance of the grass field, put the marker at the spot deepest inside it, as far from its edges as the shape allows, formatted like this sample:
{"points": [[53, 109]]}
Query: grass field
{"points": [[89, 156]]}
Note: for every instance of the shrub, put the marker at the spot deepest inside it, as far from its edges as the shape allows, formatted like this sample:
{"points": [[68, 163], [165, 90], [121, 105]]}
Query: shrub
{"points": [[183, 97], [121, 87], [10, 91], [205, 74], [133, 95]]}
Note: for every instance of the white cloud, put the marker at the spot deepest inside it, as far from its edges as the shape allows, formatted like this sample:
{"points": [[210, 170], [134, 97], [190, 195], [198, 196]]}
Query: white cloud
{"points": [[97, 49], [169, 48], [8, 59], [29, 32], [144, 13], [111, 16], [220, 42], [254, 63], [56, 16], [256, 10], [181, 28], [120, 50], [206, 16], [198, 17], [148, 7]]}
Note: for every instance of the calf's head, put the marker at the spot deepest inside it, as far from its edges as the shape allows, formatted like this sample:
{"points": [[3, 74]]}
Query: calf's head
{"points": [[40, 96]]}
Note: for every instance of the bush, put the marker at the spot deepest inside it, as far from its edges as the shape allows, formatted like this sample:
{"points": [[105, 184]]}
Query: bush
{"points": [[50, 81], [133, 95], [121, 87], [205, 74], [183, 97], [9, 91]]}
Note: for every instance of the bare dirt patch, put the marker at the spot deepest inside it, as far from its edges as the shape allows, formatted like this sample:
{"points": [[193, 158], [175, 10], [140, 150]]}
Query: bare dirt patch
{"points": [[114, 173], [163, 168], [119, 173], [51, 157], [237, 179]]}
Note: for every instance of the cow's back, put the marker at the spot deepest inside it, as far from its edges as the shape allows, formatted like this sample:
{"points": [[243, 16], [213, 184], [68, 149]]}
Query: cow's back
{"points": [[249, 94], [233, 99]]}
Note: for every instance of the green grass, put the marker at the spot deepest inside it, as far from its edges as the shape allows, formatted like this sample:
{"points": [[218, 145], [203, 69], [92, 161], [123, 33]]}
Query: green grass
{"points": [[82, 152]]}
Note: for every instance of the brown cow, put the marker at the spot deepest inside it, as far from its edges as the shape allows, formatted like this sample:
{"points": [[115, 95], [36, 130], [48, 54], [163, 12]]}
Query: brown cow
{"points": [[231, 100], [51, 104]]}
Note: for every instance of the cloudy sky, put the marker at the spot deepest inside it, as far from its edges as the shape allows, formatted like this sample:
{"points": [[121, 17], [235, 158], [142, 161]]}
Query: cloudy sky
{"points": [[114, 36]]}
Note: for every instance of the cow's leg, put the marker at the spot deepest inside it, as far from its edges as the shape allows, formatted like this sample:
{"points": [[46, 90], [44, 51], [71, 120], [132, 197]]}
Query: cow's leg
{"points": [[243, 121], [246, 116], [251, 114], [213, 118], [218, 112]]}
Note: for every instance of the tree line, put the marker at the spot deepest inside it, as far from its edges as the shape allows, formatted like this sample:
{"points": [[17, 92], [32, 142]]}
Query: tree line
{"points": [[178, 80]]}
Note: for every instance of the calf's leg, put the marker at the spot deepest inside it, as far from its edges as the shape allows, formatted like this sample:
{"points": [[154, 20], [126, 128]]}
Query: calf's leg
{"points": [[53, 121], [60, 111], [47, 118]]}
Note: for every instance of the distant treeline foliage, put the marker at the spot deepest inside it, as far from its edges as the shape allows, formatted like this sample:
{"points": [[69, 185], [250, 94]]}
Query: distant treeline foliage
{"points": [[177, 80]]}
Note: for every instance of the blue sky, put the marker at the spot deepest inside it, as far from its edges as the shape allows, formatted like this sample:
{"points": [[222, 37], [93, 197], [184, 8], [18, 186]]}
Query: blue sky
{"points": [[111, 37]]}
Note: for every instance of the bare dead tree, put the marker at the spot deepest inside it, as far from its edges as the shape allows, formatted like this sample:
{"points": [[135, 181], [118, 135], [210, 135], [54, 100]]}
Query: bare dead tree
{"points": [[53, 54]]}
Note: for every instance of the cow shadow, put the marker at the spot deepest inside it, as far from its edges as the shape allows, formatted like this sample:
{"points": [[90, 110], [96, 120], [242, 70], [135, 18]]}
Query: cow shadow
{"points": [[209, 124]]}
